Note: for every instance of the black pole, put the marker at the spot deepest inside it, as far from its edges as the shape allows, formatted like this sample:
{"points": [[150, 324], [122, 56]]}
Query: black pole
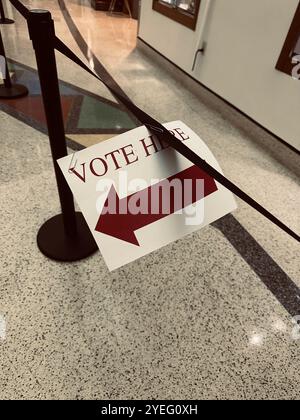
{"points": [[3, 19], [65, 237], [9, 90]]}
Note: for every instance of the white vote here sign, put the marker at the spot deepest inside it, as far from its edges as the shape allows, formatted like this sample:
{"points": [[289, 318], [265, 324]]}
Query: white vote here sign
{"points": [[137, 194]]}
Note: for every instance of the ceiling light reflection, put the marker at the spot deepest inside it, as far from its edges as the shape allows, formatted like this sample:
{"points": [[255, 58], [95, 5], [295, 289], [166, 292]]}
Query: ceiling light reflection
{"points": [[256, 340]]}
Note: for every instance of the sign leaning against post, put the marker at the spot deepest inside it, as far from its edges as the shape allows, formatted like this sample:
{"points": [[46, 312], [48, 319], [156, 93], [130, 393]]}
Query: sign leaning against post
{"points": [[138, 194], [65, 237]]}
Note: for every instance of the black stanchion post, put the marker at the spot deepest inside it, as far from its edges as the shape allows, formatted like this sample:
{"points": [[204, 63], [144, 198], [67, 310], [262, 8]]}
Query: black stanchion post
{"points": [[3, 19], [65, 237], [9, 90]]}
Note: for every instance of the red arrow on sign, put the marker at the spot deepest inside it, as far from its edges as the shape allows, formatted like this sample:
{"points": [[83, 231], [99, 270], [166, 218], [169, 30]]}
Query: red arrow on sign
{"points": [[122, 224]]}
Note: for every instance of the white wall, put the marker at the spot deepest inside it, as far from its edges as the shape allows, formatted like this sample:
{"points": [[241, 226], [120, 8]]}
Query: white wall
{"points": [[244, 40]]}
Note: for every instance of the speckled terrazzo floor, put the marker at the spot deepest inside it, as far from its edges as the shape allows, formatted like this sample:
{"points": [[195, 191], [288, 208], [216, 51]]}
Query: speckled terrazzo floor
{"points": [[195, 320]]}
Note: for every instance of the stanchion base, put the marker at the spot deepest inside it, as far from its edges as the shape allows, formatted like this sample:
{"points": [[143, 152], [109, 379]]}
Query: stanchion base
{"points": [[6, 21], [14, 92], [53, 242]]}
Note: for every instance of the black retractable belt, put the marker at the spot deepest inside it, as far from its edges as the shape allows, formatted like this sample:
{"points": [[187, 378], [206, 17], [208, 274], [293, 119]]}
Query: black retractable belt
{"points": [[20, 8], [163, 134]]}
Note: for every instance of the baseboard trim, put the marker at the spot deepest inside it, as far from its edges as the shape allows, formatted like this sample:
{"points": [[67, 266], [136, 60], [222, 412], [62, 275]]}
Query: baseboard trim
{"points": [[142, 44]]}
